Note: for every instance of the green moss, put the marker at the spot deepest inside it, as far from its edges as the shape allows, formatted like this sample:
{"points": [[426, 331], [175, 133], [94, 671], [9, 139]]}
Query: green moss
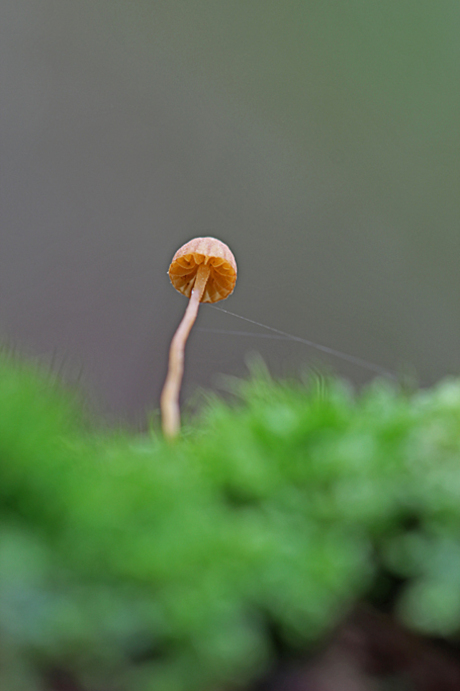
{"points": [[130, 562]]}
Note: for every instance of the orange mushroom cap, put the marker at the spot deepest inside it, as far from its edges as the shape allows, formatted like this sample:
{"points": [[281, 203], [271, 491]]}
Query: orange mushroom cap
{"points": [[217, 256]]}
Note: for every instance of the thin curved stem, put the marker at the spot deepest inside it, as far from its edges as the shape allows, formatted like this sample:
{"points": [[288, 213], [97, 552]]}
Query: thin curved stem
{"points": [[170, 410]]}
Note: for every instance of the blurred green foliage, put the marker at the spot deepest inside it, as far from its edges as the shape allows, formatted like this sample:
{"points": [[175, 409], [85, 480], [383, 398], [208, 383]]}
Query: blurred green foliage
{"points": [[133, 564]]}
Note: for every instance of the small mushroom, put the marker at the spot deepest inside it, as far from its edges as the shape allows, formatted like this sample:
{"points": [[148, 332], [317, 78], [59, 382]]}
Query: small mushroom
{"points": [[203, 270]]}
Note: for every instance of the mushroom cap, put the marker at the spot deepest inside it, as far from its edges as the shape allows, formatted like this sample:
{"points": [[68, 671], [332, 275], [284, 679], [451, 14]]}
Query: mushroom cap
{"points": [[217, 256]]}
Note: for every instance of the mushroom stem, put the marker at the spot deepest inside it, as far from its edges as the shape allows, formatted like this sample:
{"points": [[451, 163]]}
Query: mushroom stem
{"points": [[170, 411]]}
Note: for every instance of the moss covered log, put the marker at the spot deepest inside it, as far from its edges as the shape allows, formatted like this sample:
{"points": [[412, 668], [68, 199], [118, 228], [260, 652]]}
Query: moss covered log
{"points": [[133, 564]]}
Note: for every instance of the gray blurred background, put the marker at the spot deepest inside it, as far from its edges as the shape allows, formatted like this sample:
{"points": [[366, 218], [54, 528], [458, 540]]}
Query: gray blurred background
{"points": [[320, 140]]}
